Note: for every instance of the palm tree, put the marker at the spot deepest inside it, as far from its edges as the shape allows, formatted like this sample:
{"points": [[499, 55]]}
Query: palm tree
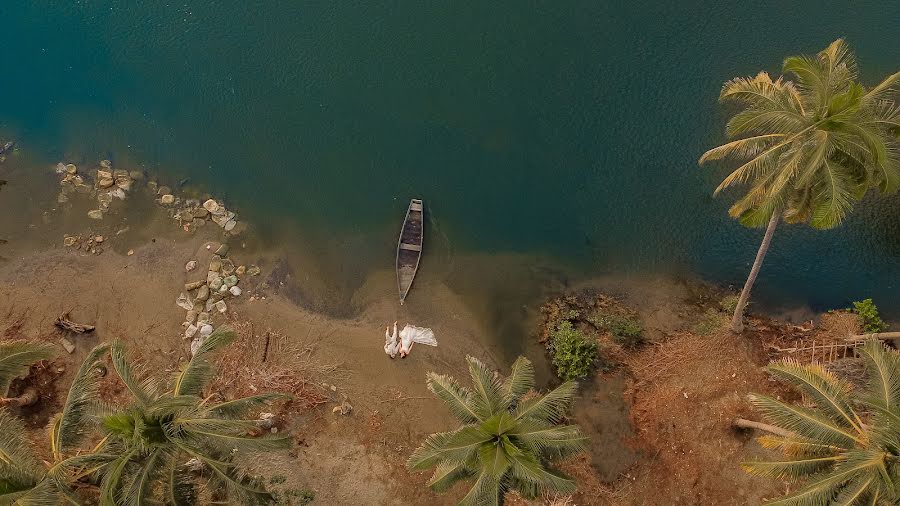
{"points": [[507, 438], [808, 148], [23, 479], [156, 443], [842, 445], [16, 358]]}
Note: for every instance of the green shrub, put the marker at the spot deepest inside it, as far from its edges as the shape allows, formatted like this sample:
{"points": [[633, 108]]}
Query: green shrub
{"points": [[868, 316], [573, 354], [710, 322], [729, 303], [625, 330]]}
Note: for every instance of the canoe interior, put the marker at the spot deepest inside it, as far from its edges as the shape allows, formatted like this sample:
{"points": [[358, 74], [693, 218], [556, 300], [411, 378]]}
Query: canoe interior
{"points": [[409, 248]]}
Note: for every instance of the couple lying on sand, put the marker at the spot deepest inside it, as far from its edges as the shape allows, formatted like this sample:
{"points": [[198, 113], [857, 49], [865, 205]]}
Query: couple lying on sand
{"points": [[403, 343]]}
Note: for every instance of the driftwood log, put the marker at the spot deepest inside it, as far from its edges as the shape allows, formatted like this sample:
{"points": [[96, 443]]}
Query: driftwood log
{"points": [[65, 323]]}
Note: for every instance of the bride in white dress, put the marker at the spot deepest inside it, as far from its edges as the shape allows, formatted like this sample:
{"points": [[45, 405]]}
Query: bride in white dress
{"points": [[411, 335]]}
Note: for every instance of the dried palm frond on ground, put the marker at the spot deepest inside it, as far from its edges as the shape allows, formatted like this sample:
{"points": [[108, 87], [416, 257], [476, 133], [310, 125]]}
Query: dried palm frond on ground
{"points": [[287, 368]]}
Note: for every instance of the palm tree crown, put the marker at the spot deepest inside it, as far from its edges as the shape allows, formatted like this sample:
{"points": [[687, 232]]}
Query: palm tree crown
{"points": [[842, 445], [811, 147], [507, 438]]}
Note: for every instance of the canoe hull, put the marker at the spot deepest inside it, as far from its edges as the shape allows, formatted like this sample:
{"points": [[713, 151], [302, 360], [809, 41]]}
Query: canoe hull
{"points": [[409, 247]]}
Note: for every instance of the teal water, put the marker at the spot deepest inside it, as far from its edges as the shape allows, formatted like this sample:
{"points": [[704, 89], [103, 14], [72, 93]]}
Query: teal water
{"points": [[564, 130]]}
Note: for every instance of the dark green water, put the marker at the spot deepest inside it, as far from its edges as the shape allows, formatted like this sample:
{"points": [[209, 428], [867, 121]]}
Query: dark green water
{"points": [[563, 130]]}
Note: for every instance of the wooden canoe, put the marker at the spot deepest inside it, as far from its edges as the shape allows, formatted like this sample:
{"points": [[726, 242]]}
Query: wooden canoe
{"points": [[409, 247]]}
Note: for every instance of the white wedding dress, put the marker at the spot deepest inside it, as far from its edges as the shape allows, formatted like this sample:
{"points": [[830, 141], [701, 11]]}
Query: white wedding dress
{"points": [[412, 334]]}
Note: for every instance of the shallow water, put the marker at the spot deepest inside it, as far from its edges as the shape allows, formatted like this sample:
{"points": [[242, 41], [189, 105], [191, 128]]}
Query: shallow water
{"points": [[562, 135]]}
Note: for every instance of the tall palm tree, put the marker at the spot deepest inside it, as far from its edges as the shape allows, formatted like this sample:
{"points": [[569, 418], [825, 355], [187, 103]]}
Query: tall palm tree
{"points": [[507, 439], [150, 441], [842, 445], [16, 358], [808, 148]]}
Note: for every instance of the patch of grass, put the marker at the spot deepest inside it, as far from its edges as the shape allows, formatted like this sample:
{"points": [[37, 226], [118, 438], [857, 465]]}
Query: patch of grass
{"points": [[293, 497], [869, 318], [710, 322], [729, 303], [572, 352], [625, 330], [278, 479]]}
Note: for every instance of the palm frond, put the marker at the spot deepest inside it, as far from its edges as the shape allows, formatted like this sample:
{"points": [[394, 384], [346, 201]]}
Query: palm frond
{"points": [[790, 469], [18, 462], [16, 358], [198, 371], [67, 430], [550, 440], [448, 447], [742, 148], [805, 421], [519, 381], [796, 446], [528, 469], [487, 388], [886, 87], [141, 390], [830, 394], [446, 474], [140, 490], [883, 368], [111, 483], [485, 492], [853, 492], [179, 489], [457, 398], [240, 407], [550, 407], [833, 197]]}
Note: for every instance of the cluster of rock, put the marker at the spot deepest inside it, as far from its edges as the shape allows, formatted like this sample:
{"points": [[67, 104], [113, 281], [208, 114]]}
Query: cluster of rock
{"points": [[204, 296], [5, 148], [191, 214], [89, 243], [109, 184]]}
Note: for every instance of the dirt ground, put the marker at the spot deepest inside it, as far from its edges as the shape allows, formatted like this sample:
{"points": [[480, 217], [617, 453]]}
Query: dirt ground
{"points": [[660, 423]]}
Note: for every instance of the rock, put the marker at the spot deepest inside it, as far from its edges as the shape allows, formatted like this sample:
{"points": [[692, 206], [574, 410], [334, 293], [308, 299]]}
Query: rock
{"points": [[130, 252], [222, 250], [230, 281], [83, 188], [203, 293], [123, 183], [221, 307], [71, 168], [70, 240], [106, 164], [163, 190], [195, 345], [210, 303], [344, 409], [211, 205], [105, 183], [193, 285], [235, 290], [266, 420], [104, 174], [206, 330], [190, 331], [118, 193], [69, 347], [60, 168], [227, 267], [240, 270], [215, 284], [219, 220], [190, 316], [62, 198], [136, 175], [191, 265], [198, 222], [215, 264], [211, 275], [186, 215], [201, 213], [167, 199], [203, 319], [120, 173], [105, 198], [229, 225], [184, 302], [253, 270], [98, 239], [95, 214]]}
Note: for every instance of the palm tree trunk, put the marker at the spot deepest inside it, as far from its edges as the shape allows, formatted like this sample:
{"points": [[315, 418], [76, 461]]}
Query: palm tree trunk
{"points": [[878, 335], [28, 397], [737, 321], [749, 424]]}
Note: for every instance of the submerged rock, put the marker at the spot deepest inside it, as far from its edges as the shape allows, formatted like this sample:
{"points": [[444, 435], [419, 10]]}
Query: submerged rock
{"points": [[70, 168], [70, 240], [167, 199], [191, 265], [211, 205], [229, 225], [163, 190], [95, 214]]}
